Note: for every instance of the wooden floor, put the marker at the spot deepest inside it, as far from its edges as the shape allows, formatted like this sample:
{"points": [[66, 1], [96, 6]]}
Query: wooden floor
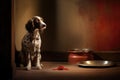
{"points": [[74, 72]]}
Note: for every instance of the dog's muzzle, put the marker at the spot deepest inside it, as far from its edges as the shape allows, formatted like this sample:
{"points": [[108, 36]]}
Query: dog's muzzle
{"points": [[43, 25]]}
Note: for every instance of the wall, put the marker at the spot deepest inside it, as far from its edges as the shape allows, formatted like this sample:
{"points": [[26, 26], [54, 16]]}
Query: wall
{"points": [[90, 24], [23, 10], [72, 24]]}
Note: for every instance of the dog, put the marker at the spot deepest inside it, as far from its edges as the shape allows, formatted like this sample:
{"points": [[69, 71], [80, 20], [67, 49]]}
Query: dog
{"points": [[31, 43]]}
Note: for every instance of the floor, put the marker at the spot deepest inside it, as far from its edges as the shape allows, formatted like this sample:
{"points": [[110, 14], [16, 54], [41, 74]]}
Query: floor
{"points": [[70, 72]]}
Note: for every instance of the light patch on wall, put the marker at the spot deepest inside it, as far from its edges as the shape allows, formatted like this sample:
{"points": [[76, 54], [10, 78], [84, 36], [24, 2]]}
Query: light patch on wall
{"points": [[68, 24], [74, 29], [23, 11]]}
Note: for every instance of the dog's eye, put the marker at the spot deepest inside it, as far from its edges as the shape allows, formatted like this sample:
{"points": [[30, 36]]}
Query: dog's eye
{"points": [[37, 20]]}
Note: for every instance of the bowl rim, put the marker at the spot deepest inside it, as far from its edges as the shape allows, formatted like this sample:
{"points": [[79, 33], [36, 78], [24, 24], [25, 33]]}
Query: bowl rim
{"points": [[103, 63]]}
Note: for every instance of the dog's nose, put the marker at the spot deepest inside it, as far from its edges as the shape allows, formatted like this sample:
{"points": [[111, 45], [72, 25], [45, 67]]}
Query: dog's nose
{"points": [[43, 25]]}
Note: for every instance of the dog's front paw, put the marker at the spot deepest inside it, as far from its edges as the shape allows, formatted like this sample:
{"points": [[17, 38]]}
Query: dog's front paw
{"points": [[39, 67], [28, 68]]}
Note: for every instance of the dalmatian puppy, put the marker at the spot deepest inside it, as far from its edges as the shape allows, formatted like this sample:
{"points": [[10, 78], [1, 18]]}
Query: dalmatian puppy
{"points": [[31, 43]]}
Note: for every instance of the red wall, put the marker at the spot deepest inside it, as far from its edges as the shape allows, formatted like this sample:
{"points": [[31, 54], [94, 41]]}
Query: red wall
{"points": [[106, 24]]}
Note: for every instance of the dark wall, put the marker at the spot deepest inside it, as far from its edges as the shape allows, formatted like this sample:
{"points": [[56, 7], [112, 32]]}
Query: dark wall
{"points": [[48, 12], [5, 39]]}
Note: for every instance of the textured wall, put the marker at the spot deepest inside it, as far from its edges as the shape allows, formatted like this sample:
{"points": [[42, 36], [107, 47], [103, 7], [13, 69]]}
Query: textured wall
{"points": [[72, 23], [89, 24]]}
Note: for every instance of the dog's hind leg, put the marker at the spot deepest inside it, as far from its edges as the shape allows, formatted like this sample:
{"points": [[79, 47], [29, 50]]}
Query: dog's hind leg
{"points": [[21, 57]]}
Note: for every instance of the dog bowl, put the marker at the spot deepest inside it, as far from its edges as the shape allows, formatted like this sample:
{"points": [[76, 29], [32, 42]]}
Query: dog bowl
{"points": [[77, 55], [96, 63]]}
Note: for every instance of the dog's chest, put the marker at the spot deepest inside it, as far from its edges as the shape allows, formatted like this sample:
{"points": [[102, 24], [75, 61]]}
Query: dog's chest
{"points": [[30, 43], [36, 41]]}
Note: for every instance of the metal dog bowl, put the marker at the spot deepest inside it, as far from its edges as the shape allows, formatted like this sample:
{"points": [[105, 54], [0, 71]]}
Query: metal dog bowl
{"points": [[96, 63]]}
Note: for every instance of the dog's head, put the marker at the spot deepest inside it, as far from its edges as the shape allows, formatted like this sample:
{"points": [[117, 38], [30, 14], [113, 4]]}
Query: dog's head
{"points": [[35, 23]]}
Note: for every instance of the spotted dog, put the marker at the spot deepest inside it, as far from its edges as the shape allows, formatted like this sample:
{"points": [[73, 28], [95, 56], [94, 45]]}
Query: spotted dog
{"points": [[31, 43]]}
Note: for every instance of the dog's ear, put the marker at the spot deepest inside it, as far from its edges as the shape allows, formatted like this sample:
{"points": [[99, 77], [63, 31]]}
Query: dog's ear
{"points": [[30, 26]]}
